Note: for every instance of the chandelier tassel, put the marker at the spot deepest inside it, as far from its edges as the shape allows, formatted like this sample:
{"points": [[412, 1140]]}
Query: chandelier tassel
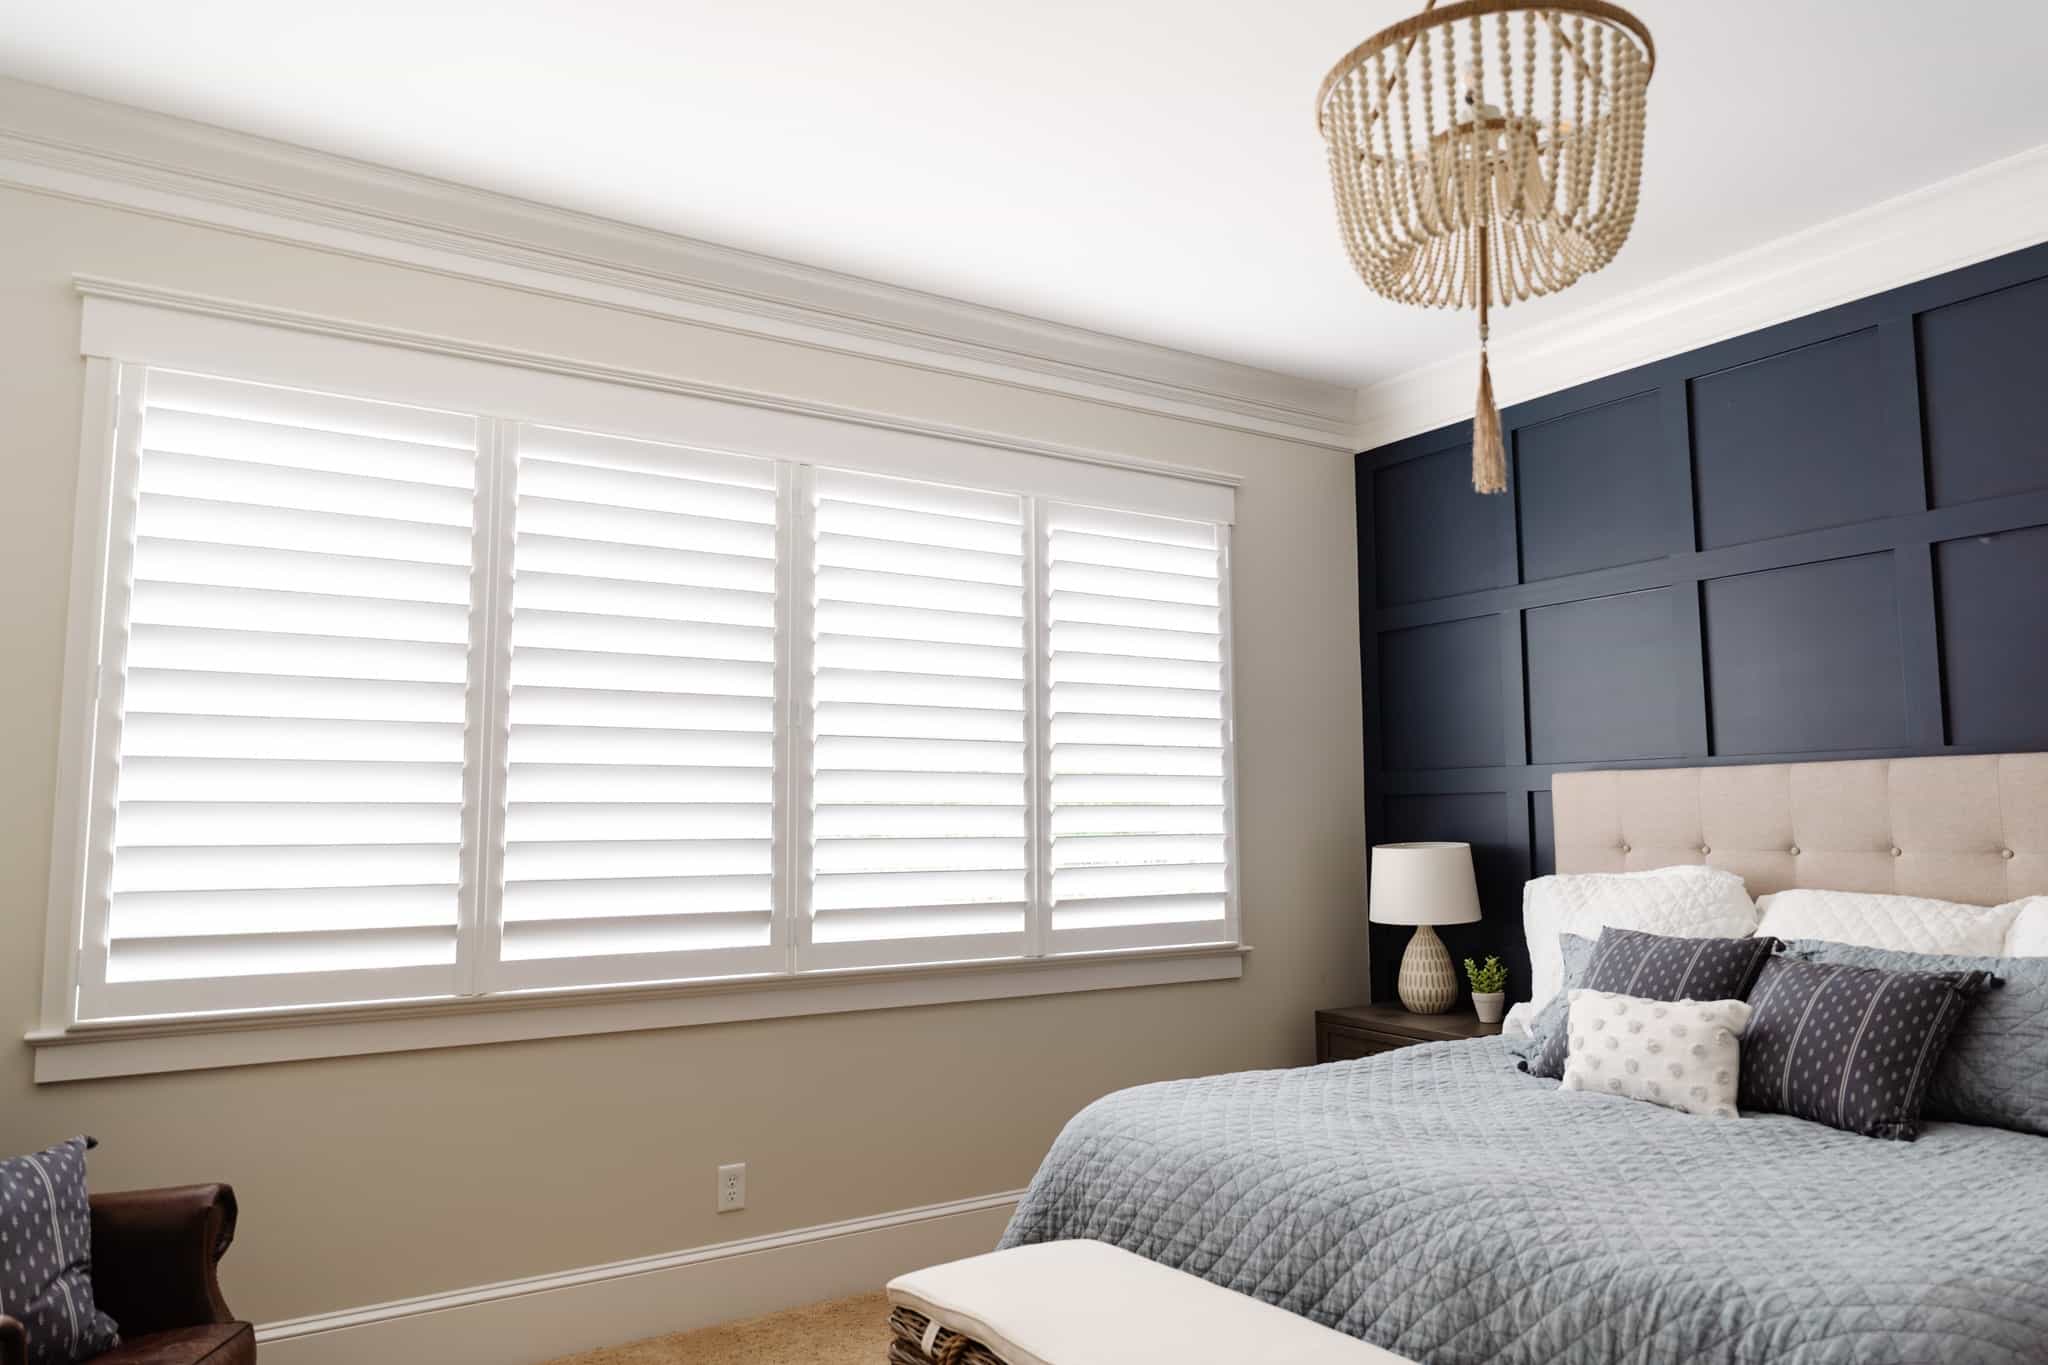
{"points": [[1489, 455]]}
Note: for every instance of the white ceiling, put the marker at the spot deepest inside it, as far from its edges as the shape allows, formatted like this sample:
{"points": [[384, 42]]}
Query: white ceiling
{"points": [[1147, 168]]}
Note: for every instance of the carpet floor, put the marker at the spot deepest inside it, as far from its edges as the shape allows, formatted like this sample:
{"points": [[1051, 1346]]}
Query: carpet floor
{"points": [[851, 1331]]}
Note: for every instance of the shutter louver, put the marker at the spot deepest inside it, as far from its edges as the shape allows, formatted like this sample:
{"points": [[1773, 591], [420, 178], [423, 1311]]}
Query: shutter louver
{"points": [[639, 839], [289, 790], [1139, 739], [919, 796]]}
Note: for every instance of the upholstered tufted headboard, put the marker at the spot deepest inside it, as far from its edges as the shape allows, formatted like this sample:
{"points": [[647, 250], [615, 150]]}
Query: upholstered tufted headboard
{"points": [[1966, 828]]}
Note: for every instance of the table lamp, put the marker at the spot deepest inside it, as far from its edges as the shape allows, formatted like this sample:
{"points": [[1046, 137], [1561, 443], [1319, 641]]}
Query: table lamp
{"points": [[1424, 885]]}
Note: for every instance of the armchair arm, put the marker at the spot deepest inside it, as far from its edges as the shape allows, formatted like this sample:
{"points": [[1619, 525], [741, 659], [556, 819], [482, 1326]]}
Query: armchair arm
{"points": [[154, 1254], [13, 1342]]}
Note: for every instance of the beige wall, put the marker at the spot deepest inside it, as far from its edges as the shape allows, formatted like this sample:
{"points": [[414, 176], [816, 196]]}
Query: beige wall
{"points": [[376, 1178]]}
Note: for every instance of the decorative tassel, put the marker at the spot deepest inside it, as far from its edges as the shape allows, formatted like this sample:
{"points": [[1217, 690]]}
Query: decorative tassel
{"points": [[1489, 455]]}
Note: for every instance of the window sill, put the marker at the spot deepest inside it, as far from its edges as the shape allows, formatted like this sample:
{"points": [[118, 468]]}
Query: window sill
{"points": [[91, 1051]]}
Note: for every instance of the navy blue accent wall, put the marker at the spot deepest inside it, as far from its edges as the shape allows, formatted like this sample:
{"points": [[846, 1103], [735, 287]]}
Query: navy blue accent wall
{"points": [[1826, 539]]}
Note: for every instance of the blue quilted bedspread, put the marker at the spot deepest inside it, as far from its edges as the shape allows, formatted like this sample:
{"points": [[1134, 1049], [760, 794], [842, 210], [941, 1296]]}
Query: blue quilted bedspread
{"points": [[1439, 1203]]}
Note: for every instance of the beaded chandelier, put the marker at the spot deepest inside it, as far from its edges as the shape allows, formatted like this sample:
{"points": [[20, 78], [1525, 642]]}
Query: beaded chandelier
{"points": [[1487, 151]]}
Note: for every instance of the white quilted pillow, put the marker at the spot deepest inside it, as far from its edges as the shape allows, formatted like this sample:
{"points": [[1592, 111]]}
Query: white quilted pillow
{"points": [[1904, 924], [1682, 1054], [1681, 902], [2028, 936]]}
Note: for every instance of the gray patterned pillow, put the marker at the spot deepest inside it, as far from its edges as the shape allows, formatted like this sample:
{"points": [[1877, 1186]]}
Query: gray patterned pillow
{"points": [[46, 1255], [1995, 1070], [1657, 967], [1852, 1047], [1578, 952]]}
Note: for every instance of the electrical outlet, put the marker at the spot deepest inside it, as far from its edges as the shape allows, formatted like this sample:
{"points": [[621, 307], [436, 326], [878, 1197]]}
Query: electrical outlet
{"points": [[732, 1187]]}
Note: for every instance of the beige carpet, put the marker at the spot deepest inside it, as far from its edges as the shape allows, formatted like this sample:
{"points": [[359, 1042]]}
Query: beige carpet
{"points": [[843, 1332]]}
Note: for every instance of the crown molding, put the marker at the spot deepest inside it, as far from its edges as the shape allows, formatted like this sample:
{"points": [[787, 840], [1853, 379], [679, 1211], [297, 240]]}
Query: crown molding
{"points": [[1986, 212], [69, 145]]}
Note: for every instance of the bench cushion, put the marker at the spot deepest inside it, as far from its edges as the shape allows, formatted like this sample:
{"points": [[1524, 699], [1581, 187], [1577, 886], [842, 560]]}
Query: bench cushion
{"points": [[1089, 1303]]}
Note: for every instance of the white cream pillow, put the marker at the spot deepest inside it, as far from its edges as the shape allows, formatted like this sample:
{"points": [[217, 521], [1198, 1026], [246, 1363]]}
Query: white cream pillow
{"points": [[1903, 924], [2028, 936], [1684, 1054], [1679, 902]]}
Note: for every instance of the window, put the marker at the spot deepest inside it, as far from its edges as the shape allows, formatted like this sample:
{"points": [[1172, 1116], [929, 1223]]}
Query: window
{"points": [[406, 703]]}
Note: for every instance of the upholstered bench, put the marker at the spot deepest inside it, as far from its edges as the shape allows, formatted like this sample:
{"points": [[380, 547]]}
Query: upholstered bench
{"points": [[1089, 1303]]}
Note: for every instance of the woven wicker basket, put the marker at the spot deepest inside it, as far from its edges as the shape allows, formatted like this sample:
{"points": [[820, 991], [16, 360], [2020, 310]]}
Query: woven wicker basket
{"points": [[948, 1348]]}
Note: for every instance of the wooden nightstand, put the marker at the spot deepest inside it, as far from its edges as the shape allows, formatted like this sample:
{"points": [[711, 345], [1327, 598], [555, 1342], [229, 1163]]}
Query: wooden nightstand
{"points": [[1361, 1030]]}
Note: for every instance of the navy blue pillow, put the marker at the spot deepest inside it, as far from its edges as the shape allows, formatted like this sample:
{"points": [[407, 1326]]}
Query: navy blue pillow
{"points": [[1852, 1047], [1995, 1068], [46, 1255], [1658, 967]]}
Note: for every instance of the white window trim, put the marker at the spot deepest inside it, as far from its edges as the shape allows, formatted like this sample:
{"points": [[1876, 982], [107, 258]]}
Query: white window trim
{"points": [[129, 324], [132, 1049], [305, 350]]}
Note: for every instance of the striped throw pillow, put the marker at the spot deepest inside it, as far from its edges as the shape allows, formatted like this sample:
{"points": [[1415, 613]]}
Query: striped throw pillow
{"points": [[1852, 1047]]}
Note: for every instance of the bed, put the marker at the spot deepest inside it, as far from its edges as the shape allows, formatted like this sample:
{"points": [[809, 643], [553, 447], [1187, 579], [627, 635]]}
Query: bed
{"points": [[1437, 1202]]}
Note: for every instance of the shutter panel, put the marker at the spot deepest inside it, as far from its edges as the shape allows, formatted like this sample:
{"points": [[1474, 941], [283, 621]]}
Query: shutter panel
{"points": [[639, 837], [1139, 814], [918, 790], [288, 729]]}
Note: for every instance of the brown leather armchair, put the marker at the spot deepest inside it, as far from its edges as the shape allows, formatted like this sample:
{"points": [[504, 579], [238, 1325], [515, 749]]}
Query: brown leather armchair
{"points": [[154, 1254]]}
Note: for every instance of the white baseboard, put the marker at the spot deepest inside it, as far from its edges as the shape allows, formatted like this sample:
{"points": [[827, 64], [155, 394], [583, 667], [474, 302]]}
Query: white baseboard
{"points": [[519, 1322]]}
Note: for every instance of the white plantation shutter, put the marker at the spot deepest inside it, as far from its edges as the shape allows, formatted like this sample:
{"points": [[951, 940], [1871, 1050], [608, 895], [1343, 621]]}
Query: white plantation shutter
{"points": [[639, 825], [283, 716], [1139, 761], [918, 801], [395, 703]]}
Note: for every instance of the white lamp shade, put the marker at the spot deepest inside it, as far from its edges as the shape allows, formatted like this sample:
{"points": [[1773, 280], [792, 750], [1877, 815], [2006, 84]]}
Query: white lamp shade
{"points": [[1423, 884]]}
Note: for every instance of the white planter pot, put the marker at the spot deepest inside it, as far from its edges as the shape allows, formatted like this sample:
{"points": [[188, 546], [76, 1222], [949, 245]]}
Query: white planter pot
{"points": [[1489, 1008]]}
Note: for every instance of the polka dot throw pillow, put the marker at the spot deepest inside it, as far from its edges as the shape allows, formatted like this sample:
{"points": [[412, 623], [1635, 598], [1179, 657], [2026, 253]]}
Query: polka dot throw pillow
{"points": [[1682, 1054]]}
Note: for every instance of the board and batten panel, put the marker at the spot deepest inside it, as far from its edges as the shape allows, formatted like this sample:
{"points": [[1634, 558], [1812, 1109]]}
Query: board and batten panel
{"points": [[1994, 619], [1440, 695], [1599, 678], [1433, 538], [1793, 442], [1584, 483], [1826, 539], [1806, 659], [1986, 405]]}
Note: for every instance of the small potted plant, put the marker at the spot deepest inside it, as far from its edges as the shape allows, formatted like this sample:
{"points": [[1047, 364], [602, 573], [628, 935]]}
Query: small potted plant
{"points": [[1489, 995]]}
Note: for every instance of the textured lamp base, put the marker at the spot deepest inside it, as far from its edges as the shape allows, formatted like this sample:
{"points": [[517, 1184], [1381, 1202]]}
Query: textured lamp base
{"points": [[1427, 985]]}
